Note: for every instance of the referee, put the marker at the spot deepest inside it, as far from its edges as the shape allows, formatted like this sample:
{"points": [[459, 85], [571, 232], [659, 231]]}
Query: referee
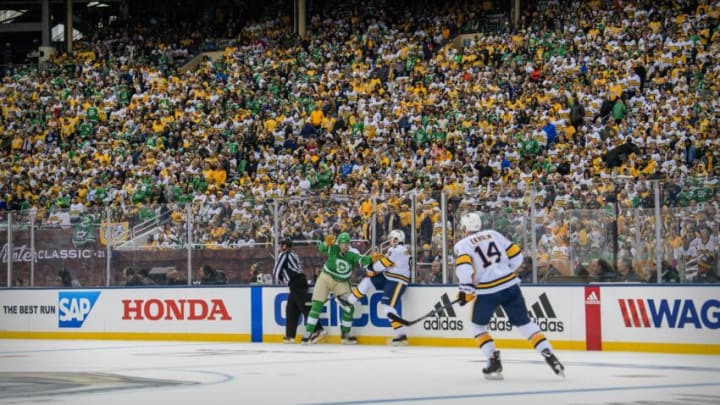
{"points": [[288, 270]]}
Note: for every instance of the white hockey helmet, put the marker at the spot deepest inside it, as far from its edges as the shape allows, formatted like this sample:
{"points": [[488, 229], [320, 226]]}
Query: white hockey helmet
{"points": [[396, 236], [470, 222]]}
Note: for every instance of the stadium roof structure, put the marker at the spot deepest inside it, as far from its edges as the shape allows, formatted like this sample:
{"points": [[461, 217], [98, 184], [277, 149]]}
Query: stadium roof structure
{"points": [[26, 25]]}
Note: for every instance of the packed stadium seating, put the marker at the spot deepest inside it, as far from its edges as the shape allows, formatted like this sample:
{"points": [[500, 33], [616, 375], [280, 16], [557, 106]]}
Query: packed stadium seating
{"points": [[381, 117]]}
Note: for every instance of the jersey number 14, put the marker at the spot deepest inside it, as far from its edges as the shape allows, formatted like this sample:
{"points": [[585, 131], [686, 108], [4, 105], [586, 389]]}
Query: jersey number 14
{"points": [[487, 256]]}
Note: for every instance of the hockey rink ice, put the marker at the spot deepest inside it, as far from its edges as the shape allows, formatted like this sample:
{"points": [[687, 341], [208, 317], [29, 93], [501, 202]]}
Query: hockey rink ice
{"points": [[140, 372]]}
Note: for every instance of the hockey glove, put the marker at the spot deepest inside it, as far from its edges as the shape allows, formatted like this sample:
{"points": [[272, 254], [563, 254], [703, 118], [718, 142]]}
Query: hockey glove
{"points": [[375, 256], [371, 273], [466, 293], [329, 240]]}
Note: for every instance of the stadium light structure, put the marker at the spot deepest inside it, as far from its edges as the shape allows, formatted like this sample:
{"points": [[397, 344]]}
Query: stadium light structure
{"points": [[58, 33], [8, 16]]}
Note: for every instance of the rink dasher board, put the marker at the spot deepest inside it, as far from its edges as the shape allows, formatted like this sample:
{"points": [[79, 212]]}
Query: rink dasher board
{"points": [[617, 317]]}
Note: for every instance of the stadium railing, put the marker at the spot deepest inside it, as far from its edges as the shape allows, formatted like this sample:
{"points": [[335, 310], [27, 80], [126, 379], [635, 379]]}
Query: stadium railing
{"points": [[613, 220]]}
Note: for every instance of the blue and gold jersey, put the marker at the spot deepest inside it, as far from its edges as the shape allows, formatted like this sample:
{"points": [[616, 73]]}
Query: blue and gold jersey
{"points": [[487, 260], [395, 264]]}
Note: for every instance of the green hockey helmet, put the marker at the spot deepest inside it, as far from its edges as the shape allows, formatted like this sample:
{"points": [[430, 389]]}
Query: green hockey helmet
{"points": [[343, 238]]}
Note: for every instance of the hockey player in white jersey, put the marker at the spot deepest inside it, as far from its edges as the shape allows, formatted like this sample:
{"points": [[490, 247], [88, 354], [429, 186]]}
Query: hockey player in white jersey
{"points": [[390, 273], [485, 263]]}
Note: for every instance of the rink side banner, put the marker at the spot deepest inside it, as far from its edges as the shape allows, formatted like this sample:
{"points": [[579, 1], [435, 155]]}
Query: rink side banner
{"points": [[662, 319], [679, 319], [129, 313]]}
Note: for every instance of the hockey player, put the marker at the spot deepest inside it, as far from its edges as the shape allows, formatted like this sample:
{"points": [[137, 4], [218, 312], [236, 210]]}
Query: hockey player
{"points": [[334, 277], [390, 273], [485, 262]]}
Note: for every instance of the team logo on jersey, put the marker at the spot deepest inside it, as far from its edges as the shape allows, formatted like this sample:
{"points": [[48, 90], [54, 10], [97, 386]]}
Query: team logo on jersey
{"points": [[445, 319], [542, 312], [343, 266]]}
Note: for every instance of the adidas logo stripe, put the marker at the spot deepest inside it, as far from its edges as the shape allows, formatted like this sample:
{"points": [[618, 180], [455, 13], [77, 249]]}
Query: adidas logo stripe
{"points": [[541, 309], [446, 318], [592, 298], [448, 311]]}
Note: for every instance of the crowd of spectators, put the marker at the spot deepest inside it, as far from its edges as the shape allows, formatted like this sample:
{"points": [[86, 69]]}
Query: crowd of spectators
{"points": [[585, 102]]}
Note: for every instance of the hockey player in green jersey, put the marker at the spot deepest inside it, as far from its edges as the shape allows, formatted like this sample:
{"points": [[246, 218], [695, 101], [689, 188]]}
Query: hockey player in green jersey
{"points": [[339, 266]]}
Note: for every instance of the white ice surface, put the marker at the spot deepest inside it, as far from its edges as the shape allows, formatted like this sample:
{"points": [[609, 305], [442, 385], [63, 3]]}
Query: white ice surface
{"points": [[254, 373]]}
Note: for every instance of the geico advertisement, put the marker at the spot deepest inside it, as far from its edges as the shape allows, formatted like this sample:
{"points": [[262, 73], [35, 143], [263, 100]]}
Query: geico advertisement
{"points": [[663, 314], [368, 316], [132, 310]]}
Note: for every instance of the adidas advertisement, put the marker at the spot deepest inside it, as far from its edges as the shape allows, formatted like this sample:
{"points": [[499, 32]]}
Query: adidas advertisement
{"points": [[542, 312], [446, 319]]}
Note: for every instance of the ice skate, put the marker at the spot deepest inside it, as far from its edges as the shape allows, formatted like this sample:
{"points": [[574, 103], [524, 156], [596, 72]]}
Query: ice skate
{"points": [[318, 336], [493, 371], [348, 340], [554, 363], [315, 337], [288, 340], [400, 340]]}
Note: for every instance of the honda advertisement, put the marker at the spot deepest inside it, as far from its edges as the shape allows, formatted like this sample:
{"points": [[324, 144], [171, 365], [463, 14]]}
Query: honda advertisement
{"points": [[131, 312]]}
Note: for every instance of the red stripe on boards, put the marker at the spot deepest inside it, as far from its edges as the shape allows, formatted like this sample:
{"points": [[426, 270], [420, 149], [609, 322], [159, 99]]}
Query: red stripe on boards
{"points": [[634, 313], [593, 318], [625, 314]]}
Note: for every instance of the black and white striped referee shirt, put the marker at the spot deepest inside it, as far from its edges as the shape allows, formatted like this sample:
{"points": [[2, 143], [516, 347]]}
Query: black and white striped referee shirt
{"points": [[287, 267]]}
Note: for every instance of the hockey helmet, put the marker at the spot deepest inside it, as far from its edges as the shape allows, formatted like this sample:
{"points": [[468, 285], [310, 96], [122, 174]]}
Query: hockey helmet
{"points": [[397, 236], [470, 222], [343, 238]]}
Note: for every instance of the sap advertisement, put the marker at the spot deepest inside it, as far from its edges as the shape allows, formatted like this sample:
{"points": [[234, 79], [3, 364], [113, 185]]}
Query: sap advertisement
{"points": [[147, 310], [677, 315]]}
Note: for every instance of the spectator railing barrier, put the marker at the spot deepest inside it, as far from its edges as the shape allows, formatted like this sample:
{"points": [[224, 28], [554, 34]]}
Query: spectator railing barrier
{"points": [[584, 234]]}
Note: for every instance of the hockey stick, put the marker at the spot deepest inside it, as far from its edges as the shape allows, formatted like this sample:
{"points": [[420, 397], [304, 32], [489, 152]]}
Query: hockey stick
{"points": [[434, 312], [380, 248]]}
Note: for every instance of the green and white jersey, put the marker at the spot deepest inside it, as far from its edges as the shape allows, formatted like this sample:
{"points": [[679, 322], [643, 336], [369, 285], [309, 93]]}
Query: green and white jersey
{"points": [[92, 114], [123, 95], [340, 266], [85, 129], [702, 194]]}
